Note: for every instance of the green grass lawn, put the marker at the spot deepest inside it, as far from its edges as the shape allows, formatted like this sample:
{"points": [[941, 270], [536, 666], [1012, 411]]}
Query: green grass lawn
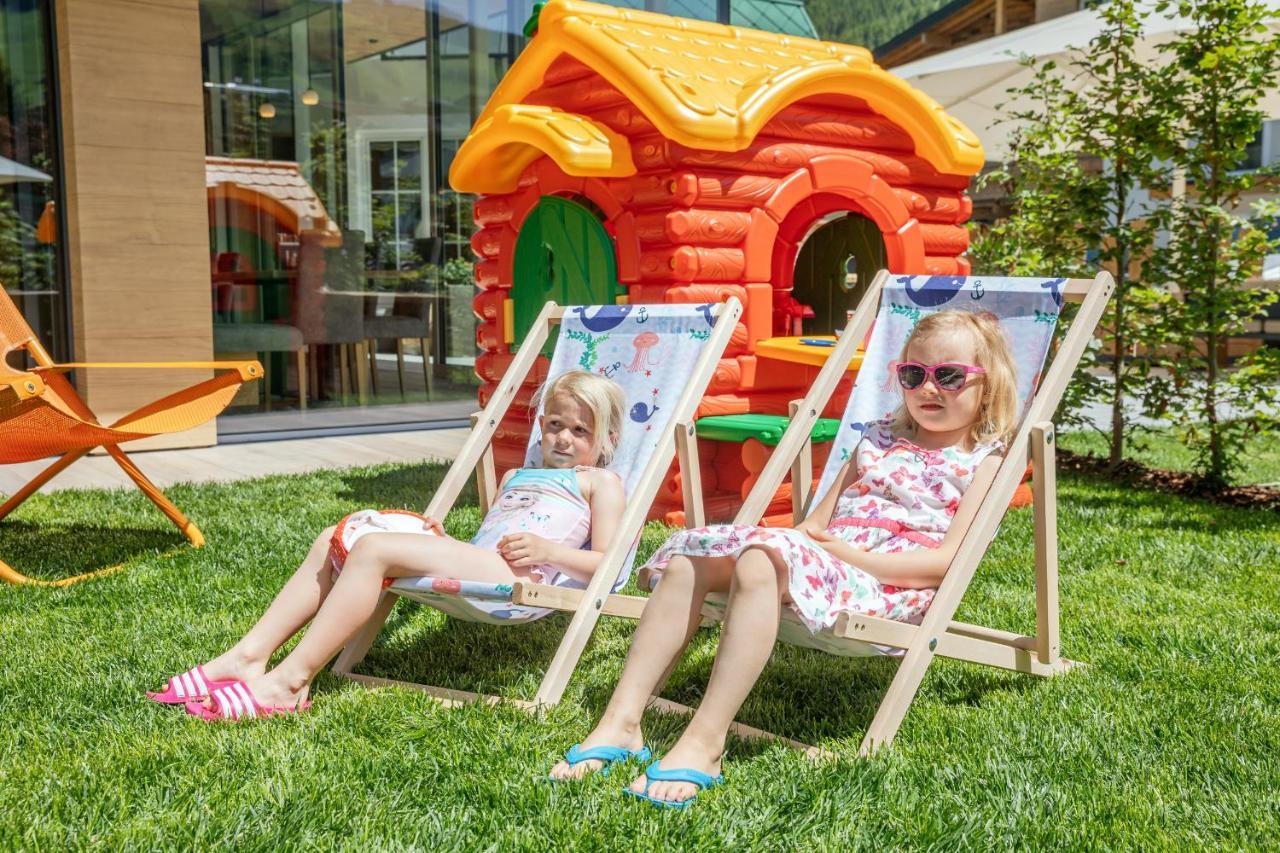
{"points": [[1161, 448], [1168, 739]]}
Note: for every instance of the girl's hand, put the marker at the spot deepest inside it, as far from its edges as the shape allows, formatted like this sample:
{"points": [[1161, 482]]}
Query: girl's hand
{"points": [[811, 529], [833, 545], [434, 526], [522, 550]]}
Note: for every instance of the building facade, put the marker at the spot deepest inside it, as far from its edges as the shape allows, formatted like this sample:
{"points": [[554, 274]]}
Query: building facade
{"points": [[261, 178]]}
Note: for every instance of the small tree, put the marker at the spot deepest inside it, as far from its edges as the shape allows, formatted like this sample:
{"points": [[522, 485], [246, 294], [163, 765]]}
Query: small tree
{"points": [[1215, 76], [1086, 145]]}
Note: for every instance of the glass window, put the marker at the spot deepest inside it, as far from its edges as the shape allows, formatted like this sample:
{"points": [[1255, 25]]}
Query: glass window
{"points": [[31, 267]]}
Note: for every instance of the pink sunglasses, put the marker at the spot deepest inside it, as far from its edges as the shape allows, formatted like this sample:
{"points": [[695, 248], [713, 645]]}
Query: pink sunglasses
{"points": [[948, 376]]}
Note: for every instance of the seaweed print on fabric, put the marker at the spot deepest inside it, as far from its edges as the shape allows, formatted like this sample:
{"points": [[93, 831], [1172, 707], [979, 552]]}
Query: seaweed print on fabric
{"points": [[592, 343]]}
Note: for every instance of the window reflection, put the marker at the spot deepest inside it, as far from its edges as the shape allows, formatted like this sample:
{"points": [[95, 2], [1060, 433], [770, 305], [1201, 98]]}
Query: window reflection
{"points": [[30, 181]]}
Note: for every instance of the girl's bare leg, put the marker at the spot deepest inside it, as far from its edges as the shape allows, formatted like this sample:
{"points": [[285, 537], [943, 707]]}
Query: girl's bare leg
{"points": [[355, 594], [670, 618], [746, 641], [292, 608]]}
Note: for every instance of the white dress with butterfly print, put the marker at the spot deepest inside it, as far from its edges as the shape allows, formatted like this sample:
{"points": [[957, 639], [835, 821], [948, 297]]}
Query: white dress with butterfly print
{"points": [[903, 499]]}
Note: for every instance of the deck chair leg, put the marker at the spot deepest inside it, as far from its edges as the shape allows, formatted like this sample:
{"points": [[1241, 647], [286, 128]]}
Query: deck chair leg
{"points": [[1045, 509], [372, 346], [301, 357], [157, 497], [39, 480], [902, 690], [358, 646], [426, 366], [266, 383], [343, 384], [400, 364]]}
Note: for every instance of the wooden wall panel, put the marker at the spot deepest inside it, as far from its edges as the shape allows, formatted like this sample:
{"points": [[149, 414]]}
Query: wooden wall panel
{"points": [[138, 229]]}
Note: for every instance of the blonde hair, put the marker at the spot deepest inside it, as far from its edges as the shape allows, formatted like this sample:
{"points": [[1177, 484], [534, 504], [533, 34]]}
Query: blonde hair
{"points": [[599, 395], [998, 413]]}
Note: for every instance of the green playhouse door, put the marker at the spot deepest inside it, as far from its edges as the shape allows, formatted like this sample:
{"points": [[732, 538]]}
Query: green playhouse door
{"points": [[564, 254]]}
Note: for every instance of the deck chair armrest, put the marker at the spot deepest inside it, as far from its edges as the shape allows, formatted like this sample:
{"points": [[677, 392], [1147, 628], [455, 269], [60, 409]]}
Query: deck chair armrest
{"points": [[23, 384], [248, 370]]}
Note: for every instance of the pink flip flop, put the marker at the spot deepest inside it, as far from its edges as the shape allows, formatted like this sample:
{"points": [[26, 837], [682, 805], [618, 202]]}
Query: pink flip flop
{"points": [[190, 686], [235, 703]]}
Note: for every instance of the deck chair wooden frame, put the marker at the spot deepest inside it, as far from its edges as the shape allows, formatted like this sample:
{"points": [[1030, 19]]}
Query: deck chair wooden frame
{"points": [[937, 635], [36, 402], [589, 604]]}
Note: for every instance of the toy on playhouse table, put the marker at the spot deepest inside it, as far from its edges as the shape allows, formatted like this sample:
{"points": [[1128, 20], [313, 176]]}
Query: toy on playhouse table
{"points": [[632, 157]]}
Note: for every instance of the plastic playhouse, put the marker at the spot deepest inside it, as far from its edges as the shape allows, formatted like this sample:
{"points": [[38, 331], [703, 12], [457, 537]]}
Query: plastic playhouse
{"points": [[637, 158]]}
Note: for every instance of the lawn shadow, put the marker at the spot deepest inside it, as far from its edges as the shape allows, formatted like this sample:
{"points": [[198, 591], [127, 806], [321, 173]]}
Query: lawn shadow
{"points": [[54, 552], [471, 656], [815, 698], [410, 486], [1169, 508]]}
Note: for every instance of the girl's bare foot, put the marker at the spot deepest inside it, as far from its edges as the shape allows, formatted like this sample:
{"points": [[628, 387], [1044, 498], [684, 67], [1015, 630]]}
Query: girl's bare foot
{"points": [[625, 735], [272, 689], [688, 753], [233, 665]]}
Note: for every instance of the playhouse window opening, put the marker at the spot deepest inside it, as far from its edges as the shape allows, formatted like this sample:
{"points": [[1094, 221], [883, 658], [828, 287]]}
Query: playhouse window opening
{"points": [[840, 254]]}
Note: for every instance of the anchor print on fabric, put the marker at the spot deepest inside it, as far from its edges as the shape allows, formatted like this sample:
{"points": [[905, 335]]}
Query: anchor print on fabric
{"points": [[589, 355], [605, 318]]}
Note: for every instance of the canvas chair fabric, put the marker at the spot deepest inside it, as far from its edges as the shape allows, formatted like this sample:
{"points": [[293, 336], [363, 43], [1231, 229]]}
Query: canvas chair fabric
{"points": [[1027, 309], [651, 352]]}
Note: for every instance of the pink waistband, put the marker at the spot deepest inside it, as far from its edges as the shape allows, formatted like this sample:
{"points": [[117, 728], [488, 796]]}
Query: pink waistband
{"points": [[897, 528]]}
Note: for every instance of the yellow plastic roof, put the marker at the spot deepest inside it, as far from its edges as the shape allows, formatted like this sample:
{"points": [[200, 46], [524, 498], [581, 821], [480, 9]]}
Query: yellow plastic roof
{"points": [[703, 85], [507, 139]]}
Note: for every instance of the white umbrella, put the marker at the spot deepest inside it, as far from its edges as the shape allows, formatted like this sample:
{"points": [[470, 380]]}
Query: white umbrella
{"points": [[969, 82], [12, 172]]}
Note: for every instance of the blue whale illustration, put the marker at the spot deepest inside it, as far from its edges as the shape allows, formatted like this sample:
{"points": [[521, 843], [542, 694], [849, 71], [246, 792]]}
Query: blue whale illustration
{"points": [[606, 317], [936, 290], [706, 312], [640, 413], [1055, 287]]}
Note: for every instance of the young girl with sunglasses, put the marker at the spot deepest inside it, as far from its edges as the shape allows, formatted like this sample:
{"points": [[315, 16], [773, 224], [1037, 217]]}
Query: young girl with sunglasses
{"points": [[877, 544]]}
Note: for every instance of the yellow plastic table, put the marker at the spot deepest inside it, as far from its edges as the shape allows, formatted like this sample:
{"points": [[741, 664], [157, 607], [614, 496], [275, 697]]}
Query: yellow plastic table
{"points": [[790, 349]]}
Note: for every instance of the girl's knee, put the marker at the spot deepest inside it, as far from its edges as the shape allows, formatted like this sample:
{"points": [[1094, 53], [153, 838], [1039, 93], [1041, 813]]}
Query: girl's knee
{"points": [[757, 566]]}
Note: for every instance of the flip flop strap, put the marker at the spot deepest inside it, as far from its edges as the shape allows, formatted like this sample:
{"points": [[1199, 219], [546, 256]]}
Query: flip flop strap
{"points": [[235, 701], [607, 754], [190, 684], [654, 773]]}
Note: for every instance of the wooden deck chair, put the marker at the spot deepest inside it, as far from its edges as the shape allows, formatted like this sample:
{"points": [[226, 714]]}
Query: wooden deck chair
{"points": [[1028, 310], [663, 356], [42, 415]]}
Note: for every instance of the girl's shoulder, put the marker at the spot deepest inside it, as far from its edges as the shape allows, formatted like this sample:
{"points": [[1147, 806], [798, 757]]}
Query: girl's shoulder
{"points": [[591, 478]]}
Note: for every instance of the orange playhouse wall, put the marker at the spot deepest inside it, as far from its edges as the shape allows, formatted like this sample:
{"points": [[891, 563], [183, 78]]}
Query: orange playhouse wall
{"points": [[697, 226]]}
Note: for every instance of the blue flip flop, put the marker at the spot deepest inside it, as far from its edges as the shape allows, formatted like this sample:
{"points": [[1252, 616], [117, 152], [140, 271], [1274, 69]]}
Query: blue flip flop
{"points": [[654, 773], [608, 754]]}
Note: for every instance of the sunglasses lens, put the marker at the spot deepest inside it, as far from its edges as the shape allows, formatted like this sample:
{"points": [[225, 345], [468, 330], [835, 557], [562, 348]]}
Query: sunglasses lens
{"points": [[910, 376], [948, 377]]}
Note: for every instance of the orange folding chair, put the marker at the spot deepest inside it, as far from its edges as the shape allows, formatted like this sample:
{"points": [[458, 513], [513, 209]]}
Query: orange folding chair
{"points": [[41, 415]]}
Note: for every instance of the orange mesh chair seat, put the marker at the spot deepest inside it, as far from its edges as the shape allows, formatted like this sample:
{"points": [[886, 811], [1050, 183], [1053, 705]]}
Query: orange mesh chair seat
{"points": [[41, 415]]}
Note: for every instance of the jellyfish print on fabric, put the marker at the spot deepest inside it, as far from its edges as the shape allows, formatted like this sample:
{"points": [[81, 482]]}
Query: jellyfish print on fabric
{"points": [[643, 342]]}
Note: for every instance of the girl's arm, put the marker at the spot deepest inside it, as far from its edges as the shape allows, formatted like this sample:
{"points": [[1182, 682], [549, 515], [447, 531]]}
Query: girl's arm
{"points": [[924, 568], [820, 515], [607, 501]]}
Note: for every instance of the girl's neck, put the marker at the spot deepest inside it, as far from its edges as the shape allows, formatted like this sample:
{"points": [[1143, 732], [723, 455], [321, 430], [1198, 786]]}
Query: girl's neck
{"points": [[931, 440]]}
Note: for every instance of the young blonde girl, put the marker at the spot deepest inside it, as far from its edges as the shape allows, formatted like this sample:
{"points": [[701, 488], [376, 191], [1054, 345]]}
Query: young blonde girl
{"points": [[876, 543], [536, 529]]}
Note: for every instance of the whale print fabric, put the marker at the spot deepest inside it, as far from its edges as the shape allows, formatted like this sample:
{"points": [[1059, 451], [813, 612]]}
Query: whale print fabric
{"points": [[650, 351], [1026, 307]]}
